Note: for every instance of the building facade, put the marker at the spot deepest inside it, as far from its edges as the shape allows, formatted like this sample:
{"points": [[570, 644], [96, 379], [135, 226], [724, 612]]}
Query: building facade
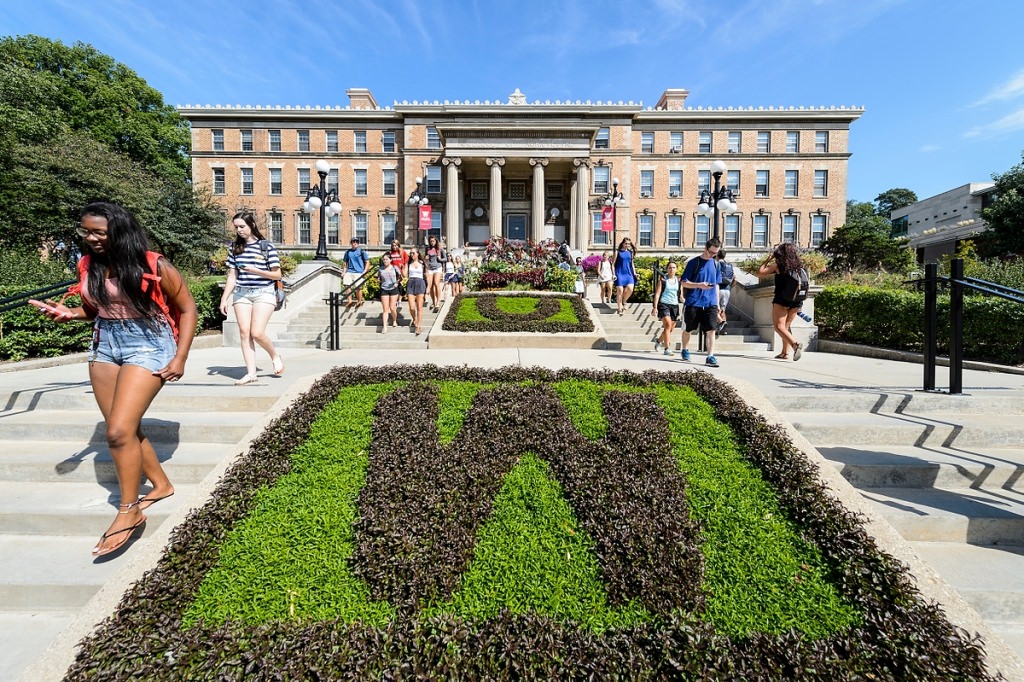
{"points": [[936, 225], [529, 170]]}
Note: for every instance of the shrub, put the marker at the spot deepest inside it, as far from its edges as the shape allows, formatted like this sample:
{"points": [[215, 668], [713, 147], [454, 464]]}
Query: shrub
{"points": [[517, 312], [207, 292], [591, 263], [559, 279]]}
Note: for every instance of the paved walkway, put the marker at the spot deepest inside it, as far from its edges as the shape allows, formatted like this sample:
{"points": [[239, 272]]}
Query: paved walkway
{"points": [[755, 373]]}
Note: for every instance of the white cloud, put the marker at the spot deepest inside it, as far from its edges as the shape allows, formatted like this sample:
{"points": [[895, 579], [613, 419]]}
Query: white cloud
{"points": [[929, 148], [1012, 88], [1007, 124]]}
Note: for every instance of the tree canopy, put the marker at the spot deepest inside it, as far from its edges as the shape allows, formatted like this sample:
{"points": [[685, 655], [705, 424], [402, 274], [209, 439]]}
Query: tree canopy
{"points": [[894, 199], [1005, 217], [864, 242]]}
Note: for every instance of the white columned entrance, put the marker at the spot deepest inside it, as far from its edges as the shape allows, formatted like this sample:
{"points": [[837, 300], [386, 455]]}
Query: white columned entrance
{"points": [[453, 214], [537, 205], [582, 225], [495, 213]]}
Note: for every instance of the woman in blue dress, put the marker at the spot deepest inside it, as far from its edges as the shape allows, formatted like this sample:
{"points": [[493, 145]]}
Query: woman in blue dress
{"points": [[625, 273]]}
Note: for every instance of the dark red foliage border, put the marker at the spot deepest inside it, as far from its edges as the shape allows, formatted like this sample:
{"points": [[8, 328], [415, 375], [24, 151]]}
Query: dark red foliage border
{"points": [[902, 636], [499, 321]]}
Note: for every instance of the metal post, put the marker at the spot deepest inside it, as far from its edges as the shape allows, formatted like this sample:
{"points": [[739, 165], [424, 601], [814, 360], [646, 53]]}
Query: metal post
{"points": [[714, 198], [931, 288], [321, 244], [956, 327]]}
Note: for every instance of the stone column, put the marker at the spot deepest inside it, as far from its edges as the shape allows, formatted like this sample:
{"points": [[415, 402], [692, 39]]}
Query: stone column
{"points": [[452, 218], [537, 205], [580, 230], [495, 212]]}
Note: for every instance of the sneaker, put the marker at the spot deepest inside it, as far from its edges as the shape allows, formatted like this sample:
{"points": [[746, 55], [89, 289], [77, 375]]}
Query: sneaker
{"points": [[711, 362], [686, 355], [657, 346], [667, 351], [798, 350]]}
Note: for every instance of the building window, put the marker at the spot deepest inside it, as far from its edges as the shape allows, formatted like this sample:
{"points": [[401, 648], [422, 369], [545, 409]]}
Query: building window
{"points": [[703, 181], [704, 144], [674, 229], [760, 231], [332, 140], [390, 182], [275, 180], [761, 183], [601, 179], [359, 223], [303, 180], [360, 142], [332, 227], [645, 228], [598, 236], [517, 191], [647, 143], [275, 140], [436, 220], [246, 140], [247, 186], [732, 181], [817, 229], [387, 141], [793, 142], [821, 183], [433, 180], [601, 141], [303, 140], [792, 182], [647, 183], [433, 139], [276, 223], [732, 230], [387, 228], [218, 140], [218, 181], [675, 142], [360, 182], [303, 230], [703, 232], [332, 180], [821, 141], [734, 142], [478, 191], [789, 228], [764, 142], [675, 183], [554, 190]]}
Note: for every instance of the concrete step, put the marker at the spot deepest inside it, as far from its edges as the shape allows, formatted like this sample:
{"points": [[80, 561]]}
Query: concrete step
{"points": [[28, 508], [721, 345], [171, 398], [967, 515], [23, 634], [990, 578], [934, 430], [393, 340], [913, 467], [908, 403], [55, 573], [46, 462], [79, 426]]}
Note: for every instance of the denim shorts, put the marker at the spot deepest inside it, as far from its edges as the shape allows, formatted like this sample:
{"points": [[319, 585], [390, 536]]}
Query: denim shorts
{"points": [[144, 342], [250, 295]]}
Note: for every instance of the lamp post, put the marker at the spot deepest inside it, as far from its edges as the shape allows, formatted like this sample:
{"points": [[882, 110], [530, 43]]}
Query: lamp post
{"points": [[418, 198], [718, 200], [318, 196], [613, 199]]}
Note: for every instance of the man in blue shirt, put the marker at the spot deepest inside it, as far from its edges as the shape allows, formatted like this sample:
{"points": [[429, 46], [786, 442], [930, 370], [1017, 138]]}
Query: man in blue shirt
{"points": [[701, 277], [355, 263]]}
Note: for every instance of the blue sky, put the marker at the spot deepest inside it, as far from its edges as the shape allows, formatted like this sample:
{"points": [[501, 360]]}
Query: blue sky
{"points": [[941, 80]]}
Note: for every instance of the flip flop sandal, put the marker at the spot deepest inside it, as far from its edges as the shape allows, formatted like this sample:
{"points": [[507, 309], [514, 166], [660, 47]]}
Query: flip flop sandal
{"points": [[150, 501], [126, 532], [247, 379]]}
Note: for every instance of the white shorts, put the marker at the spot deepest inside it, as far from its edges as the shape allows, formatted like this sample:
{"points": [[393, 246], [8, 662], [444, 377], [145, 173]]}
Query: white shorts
{"points": [[350, 277]]}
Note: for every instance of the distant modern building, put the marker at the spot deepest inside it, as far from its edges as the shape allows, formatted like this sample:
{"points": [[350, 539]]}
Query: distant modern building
{"points": [[936, 225], [530, 169]]}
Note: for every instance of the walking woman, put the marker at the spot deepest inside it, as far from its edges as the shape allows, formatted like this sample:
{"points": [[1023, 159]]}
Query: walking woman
{"points": [[783, 259], [253, 268], [435, 260], [144, 319], [389, 277], [666, 306], [625, 273], [416, 288], [606, 278], [399, 258]]}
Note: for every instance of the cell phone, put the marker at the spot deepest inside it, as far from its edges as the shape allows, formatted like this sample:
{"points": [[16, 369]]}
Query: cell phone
{"points": [[47, 307]]}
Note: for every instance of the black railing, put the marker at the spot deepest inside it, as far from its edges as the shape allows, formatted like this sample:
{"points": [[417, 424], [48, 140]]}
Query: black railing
{"points": [[957, 283], [49, 291], [334, 300]]}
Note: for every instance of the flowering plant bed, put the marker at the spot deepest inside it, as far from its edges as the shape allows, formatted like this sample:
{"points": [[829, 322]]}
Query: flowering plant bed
{"points": [[518, 312], [457, 523]]}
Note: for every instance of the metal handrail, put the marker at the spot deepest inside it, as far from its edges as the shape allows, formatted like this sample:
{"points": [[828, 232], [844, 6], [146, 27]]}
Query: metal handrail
{"points": [[48, 291], [334, 303]]}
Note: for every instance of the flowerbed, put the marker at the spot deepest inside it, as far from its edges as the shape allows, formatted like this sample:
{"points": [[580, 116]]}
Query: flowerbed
{"points": [[420, 522], [514, 312]]}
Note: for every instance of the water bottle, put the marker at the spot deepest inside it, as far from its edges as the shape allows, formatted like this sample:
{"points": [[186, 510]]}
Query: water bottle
{"points": [[804, 316]]}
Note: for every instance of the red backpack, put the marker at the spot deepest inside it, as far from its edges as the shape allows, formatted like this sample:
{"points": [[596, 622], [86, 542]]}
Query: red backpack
{"points": [[150, 286]]}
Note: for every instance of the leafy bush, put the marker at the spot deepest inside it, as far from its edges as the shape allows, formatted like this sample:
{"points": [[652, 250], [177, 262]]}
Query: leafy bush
{"points": [[491, 280], [207, 292], [559, 279], [26, 333], [517, 312], [591, 263]]}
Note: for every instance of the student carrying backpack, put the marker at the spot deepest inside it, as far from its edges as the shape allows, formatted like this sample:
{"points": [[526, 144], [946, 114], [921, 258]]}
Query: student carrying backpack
{"points": [[791, 285]]}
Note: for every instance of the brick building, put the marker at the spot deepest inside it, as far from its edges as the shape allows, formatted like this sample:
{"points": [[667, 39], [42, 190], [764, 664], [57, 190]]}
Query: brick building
{"points": [[529, 170]]}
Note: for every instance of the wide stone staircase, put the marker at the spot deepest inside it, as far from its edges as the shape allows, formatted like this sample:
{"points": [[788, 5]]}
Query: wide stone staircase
{"points": [[945, 471], [636, 330], [360, 327], [58, 490]]}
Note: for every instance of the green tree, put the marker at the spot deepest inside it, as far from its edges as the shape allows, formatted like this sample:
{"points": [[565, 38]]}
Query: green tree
{"points": [[894, 199], [1005, 217], [863, 243]]}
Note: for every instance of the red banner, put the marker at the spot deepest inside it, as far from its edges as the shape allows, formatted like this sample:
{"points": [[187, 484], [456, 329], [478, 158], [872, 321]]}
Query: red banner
{"points": [[608, 219], [425, 218]]}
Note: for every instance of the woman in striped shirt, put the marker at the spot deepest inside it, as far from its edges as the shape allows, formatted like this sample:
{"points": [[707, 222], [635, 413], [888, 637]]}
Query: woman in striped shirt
{"points": [[253, 268]]}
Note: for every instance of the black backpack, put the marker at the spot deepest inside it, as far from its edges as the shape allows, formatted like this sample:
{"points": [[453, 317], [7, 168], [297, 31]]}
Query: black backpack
{"points": [[801, 283]]}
